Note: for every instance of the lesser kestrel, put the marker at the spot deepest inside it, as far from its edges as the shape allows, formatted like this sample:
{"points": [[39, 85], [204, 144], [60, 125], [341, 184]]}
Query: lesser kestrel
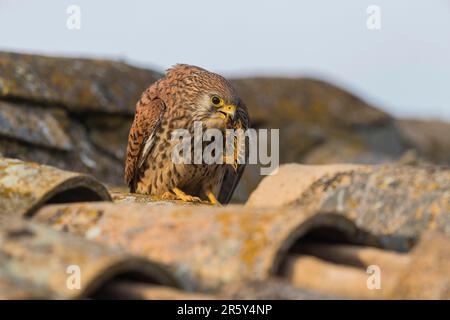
{"points": [[185, 95]]}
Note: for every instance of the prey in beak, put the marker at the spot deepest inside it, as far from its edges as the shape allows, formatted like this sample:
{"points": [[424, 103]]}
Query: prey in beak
{"points": [[228, 112]]}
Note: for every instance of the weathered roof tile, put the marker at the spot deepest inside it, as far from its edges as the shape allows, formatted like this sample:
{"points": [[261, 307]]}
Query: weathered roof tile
{"points": [[41, 260], [33, 124], [428, 273], [206, 246], [399, 202], [312, 218], [26, 186], [80, 85]]}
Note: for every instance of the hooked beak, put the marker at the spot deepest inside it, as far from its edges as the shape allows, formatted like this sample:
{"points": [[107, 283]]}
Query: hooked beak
{"points": [[227, 111]]}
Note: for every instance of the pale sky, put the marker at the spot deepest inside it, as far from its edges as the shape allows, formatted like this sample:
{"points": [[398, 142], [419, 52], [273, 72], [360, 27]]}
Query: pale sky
{"points": [[403, 68]]}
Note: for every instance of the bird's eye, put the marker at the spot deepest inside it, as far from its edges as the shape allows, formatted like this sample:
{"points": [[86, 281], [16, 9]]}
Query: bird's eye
{"points": [[215, 100]]}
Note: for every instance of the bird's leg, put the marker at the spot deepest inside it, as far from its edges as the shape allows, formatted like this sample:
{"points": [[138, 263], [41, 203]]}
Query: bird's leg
{"points": [[212, 198], [185, 197]]}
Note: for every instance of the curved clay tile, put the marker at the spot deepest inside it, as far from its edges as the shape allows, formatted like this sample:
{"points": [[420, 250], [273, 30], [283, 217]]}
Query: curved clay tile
{"points": [[206, 246], [79, 85], [38, 262], [35, 125], [290, 181], [398, 203], [348, 216], [26, 186]]}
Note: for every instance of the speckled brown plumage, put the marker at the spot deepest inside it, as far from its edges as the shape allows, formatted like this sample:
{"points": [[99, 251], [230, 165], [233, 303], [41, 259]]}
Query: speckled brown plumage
{"points": [[183, 96]]}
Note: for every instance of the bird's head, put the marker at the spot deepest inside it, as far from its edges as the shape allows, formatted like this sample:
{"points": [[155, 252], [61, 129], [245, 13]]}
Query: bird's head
{"points": [[215, 102], [218, 110]]}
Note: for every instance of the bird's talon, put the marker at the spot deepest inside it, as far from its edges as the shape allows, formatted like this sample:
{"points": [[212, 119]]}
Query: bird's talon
{"points": [[185, 197], [194, 199], [168, 196], [188, 198]]}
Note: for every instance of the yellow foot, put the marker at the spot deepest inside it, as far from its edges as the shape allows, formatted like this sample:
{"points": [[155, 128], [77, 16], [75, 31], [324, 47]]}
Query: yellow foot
{"points": [[168, 196], [212, 198], [185, 197]]}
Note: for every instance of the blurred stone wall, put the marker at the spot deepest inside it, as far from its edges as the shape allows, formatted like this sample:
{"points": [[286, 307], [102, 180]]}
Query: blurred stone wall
{"points": [[76, 113]]}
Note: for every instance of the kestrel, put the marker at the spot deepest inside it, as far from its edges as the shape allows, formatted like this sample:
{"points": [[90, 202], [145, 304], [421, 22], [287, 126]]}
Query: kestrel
{"points": [[186, 94]]}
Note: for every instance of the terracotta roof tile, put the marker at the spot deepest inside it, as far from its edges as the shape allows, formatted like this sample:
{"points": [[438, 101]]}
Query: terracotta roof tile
{"points": [[37, 262], [207, 249], [79, 85], [26, 186]]}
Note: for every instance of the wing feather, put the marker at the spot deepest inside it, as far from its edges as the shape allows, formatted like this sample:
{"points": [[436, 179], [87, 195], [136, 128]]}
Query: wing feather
{"points": [[141, 138]]}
